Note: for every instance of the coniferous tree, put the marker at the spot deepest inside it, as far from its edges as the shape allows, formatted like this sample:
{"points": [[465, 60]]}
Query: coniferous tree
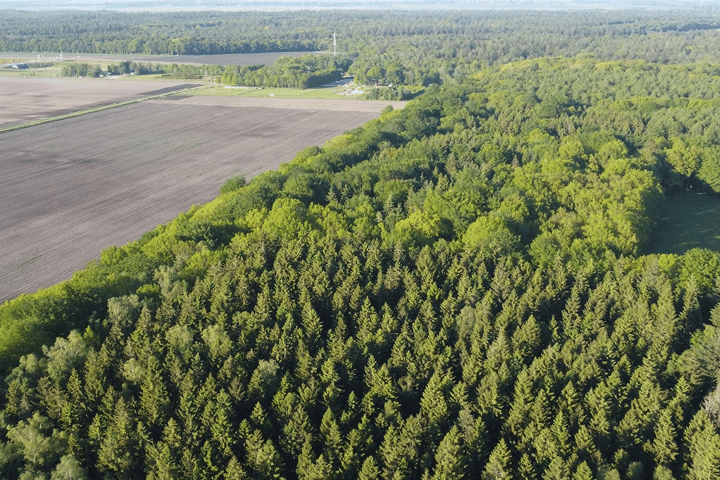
{"points": [[499, 465], [448, 457]]}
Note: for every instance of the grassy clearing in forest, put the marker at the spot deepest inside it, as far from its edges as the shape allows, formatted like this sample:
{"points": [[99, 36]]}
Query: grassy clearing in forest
{"points": [[687, 221]]}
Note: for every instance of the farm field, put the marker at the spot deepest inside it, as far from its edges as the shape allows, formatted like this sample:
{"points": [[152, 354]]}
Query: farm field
{"points": [[73, 187], [26, 99], [337, 104]]}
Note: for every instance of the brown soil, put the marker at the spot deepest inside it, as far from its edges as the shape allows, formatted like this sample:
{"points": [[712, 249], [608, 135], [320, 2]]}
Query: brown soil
{"points": [[26, 99], [71, 188], [339, 105]]}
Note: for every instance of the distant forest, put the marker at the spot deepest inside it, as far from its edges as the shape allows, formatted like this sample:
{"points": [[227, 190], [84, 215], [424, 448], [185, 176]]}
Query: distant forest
{"points": [[387, 47], [458, 289]]}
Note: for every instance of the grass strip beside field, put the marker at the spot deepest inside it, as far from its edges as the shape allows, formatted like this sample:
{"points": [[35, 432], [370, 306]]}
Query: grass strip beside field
{"points": [[78, 113], [329, 93]]}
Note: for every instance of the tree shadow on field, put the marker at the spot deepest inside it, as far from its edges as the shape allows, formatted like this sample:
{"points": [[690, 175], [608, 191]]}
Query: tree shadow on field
{"points": [[686, 221]]}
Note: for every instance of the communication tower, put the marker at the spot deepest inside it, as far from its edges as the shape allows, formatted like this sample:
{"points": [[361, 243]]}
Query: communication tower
{"points": [[334, 44]]}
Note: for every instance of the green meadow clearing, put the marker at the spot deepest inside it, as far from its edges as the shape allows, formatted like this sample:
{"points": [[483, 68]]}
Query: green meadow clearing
{"points": [[687, 221]]}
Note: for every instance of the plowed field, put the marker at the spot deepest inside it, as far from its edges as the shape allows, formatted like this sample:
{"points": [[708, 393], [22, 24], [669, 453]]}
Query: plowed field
{"points": [[25, 99], [71, 188]]}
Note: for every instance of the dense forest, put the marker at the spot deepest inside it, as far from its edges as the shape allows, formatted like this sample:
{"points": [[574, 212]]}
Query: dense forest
{"points": [[304, 72], [307, 71], [386, 47], [81, 69], [455, 290]]}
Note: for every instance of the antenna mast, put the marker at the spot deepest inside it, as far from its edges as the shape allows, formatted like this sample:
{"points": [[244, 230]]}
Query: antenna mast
{"points": [[334, 44]]}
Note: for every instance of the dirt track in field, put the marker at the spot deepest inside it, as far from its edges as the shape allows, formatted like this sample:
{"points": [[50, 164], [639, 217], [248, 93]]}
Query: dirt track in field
{"points": [[26, 99], [344, 105], [71, 188]]}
